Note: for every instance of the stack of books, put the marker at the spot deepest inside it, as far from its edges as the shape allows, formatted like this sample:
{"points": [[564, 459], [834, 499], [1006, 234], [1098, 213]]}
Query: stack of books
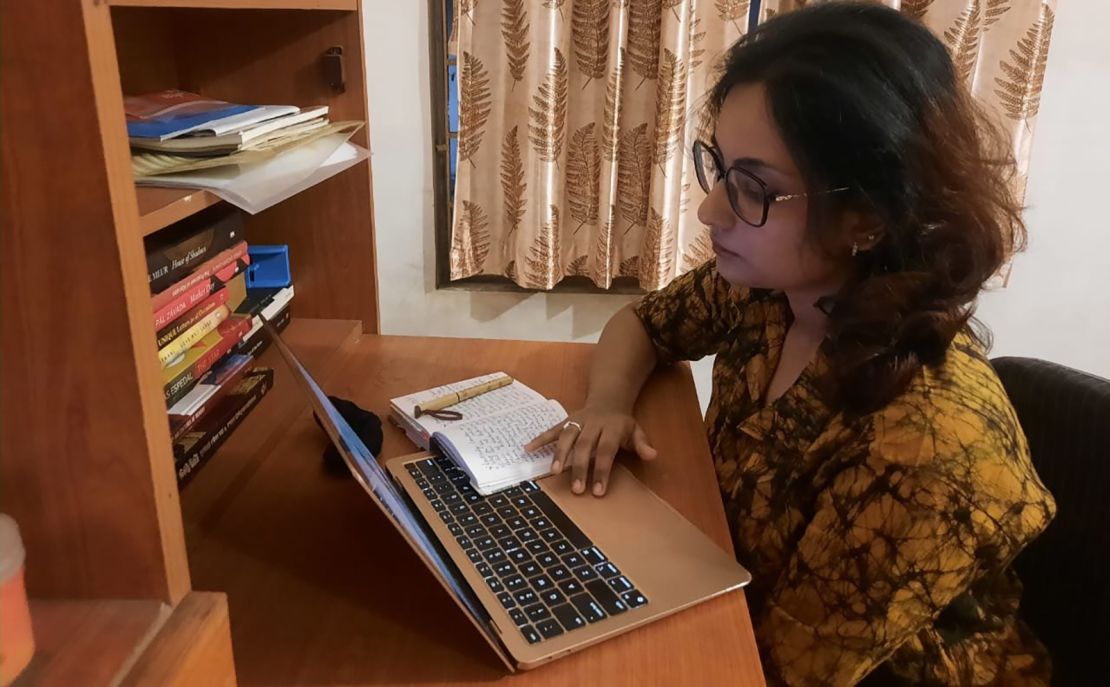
{"points": [[208, 330]]}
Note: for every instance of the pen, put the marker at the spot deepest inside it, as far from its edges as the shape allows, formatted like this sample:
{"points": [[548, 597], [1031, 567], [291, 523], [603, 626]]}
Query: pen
{"points": [[435, 406]]}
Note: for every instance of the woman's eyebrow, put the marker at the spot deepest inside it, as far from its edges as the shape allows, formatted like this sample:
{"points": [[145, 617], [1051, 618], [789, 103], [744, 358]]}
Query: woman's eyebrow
{"points": [[747, 162]]}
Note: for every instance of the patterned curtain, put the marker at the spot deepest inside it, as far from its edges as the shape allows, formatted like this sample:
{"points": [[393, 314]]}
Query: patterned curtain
{"points": [[1000, 47], [574, 121]]}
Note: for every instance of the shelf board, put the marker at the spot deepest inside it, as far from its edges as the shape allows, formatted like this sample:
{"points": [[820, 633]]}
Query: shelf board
{"points": [[89, 642], [161, 207], [342, 5]]}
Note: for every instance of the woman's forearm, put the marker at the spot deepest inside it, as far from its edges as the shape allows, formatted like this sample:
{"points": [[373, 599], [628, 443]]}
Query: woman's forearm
{"points": [[622, 362]]}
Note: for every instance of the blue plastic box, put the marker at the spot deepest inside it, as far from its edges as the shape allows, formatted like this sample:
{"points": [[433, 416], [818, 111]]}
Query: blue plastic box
{"points": [[269, 268]]}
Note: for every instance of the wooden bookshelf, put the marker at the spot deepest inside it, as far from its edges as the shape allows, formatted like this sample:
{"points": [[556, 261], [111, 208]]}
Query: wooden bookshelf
{"points": [[85, 455]]}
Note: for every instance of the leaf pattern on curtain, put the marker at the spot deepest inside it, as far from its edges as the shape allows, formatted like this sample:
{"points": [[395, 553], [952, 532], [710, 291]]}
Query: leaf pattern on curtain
{"points": [[512, 181], [514, 29], [995, 10], [549, 114], [698, 252], [543, 257], [590, 33], [573, 129], [583, 175], [470, 244], [467, 7], [474, 106], [1020, 91], [734, 10], [634, 175], [963, 41], [916, 8], [670, 112], [643, 38]]}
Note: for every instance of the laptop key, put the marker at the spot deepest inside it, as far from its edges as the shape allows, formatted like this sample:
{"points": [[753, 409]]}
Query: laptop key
{"points": [[542, 583], [484, 509], [518, 616], [590, 609], [495, 585], [585, 573], [498, 500], [593, 555], [475, 531], [475, 556], [515, 583], [522, 502], [485, 543], [573, 560], [608, 570], [530, 634], [507, 512], [452, 498], [536, 547], [540, 523], [510, 543], [525, 597], [472, 498], [561, 547], [549, 628], [483, 569], [513, 491], [620, 584], [547, 560], [438, 505], [500, 531], [516, 523], [447, 518], [467, 520], [527, 534], [506, 568], [570, 587], [568, 617], [519, 556], [490, 520], [529, 486], [495, 556], [634, 599], [606, 597], [553, 597], [560, 520], [537, 612], [530, 512], [464, 542], [454, 529], [460, 509], [530, 569], [551, 535], [559, 573]]}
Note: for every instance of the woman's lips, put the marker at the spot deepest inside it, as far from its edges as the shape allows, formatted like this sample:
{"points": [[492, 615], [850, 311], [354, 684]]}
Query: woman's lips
{"points": [[721, 250]]}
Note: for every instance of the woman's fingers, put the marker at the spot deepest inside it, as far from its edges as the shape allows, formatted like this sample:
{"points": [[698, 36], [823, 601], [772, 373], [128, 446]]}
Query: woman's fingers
{"points": [[545, 438], [568, 435], [581, 454], [640, 444], [607, 446]]}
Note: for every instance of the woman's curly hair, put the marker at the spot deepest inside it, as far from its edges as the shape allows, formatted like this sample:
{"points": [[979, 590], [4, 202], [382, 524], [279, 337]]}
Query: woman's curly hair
{"points": [[867, 98]]}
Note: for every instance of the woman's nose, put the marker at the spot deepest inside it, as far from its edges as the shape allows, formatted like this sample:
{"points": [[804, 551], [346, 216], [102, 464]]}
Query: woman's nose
{"points": [[715, 211]]}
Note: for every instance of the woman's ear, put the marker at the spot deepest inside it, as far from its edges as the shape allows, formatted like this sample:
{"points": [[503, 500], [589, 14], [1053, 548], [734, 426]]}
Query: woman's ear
{"points": [[861, 231]]}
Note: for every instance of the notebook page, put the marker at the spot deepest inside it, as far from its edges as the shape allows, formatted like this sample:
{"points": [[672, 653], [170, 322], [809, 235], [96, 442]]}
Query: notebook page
{"points": [[490, 403], [493, 447]]}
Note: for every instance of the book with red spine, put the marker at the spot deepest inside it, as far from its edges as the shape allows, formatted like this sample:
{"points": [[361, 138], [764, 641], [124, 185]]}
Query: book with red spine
{"points": [[180, 377], [174, 329], [213, 386], [214, 266], [218, 278]]}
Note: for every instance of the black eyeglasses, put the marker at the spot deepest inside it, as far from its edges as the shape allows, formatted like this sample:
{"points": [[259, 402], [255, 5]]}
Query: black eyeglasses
{"points": [[747, 193]]}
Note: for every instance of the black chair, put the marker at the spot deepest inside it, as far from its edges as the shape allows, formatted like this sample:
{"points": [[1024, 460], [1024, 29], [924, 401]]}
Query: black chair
{"points": [[1066, 571]]}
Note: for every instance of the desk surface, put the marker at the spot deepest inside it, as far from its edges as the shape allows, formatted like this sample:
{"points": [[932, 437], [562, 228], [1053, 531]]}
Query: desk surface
{"points": [[323, 591]]}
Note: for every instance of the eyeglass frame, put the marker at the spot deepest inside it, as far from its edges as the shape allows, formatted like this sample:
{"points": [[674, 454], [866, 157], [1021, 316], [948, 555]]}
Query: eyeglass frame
{"points": [[722, 175]]}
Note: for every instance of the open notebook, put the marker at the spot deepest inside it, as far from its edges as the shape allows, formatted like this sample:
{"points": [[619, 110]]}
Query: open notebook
{"points": [[487, 443]]}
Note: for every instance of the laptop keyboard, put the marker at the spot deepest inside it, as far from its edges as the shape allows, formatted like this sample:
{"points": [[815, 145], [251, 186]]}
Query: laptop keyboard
{"points": [[547, 574]]}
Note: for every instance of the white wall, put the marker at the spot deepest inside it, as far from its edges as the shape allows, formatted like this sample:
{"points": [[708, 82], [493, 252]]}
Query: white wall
{"points": [[1057, 305]]}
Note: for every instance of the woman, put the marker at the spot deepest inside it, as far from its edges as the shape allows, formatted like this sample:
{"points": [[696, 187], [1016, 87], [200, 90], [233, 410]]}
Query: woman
{"points": [[875, 478]]}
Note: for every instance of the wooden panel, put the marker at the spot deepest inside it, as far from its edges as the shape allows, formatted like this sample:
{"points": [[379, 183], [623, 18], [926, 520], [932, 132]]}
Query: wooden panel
{"points": [[88, 642], [161, 207], [347, 5], [192, 648], [84, 444], [323, 591]]}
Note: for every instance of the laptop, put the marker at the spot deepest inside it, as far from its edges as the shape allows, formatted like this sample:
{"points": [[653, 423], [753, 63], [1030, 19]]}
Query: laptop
{"points": [[539, 571]]}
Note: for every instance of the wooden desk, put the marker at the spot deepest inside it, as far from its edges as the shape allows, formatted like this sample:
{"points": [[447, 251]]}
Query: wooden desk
{"points": [[322, 591]]}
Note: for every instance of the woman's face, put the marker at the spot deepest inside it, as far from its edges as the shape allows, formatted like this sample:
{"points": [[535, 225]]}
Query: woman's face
{"points": [[779, 255]]}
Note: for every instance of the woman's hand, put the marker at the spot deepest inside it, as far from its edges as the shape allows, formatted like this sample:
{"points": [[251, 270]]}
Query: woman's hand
{"points": [[594, 433]]}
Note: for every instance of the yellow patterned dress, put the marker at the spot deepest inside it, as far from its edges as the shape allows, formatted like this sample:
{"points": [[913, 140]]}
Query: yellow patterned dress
{"points": [[881, 546]]}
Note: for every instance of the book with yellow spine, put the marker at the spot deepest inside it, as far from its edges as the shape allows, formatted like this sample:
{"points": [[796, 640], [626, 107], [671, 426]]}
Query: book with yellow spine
{"points": [[193, 334]]}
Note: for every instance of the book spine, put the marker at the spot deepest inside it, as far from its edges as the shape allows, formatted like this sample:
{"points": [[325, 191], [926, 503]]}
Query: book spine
{"points": [[177, 327], [202, 451], [192, 335], [255, 343], [170, 262], [202, 274], [183, 382], [179, 424], [182, 304]]}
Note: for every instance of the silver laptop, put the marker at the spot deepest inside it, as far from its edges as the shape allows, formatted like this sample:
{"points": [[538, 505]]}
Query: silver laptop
{"points": [[539, 571]]}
